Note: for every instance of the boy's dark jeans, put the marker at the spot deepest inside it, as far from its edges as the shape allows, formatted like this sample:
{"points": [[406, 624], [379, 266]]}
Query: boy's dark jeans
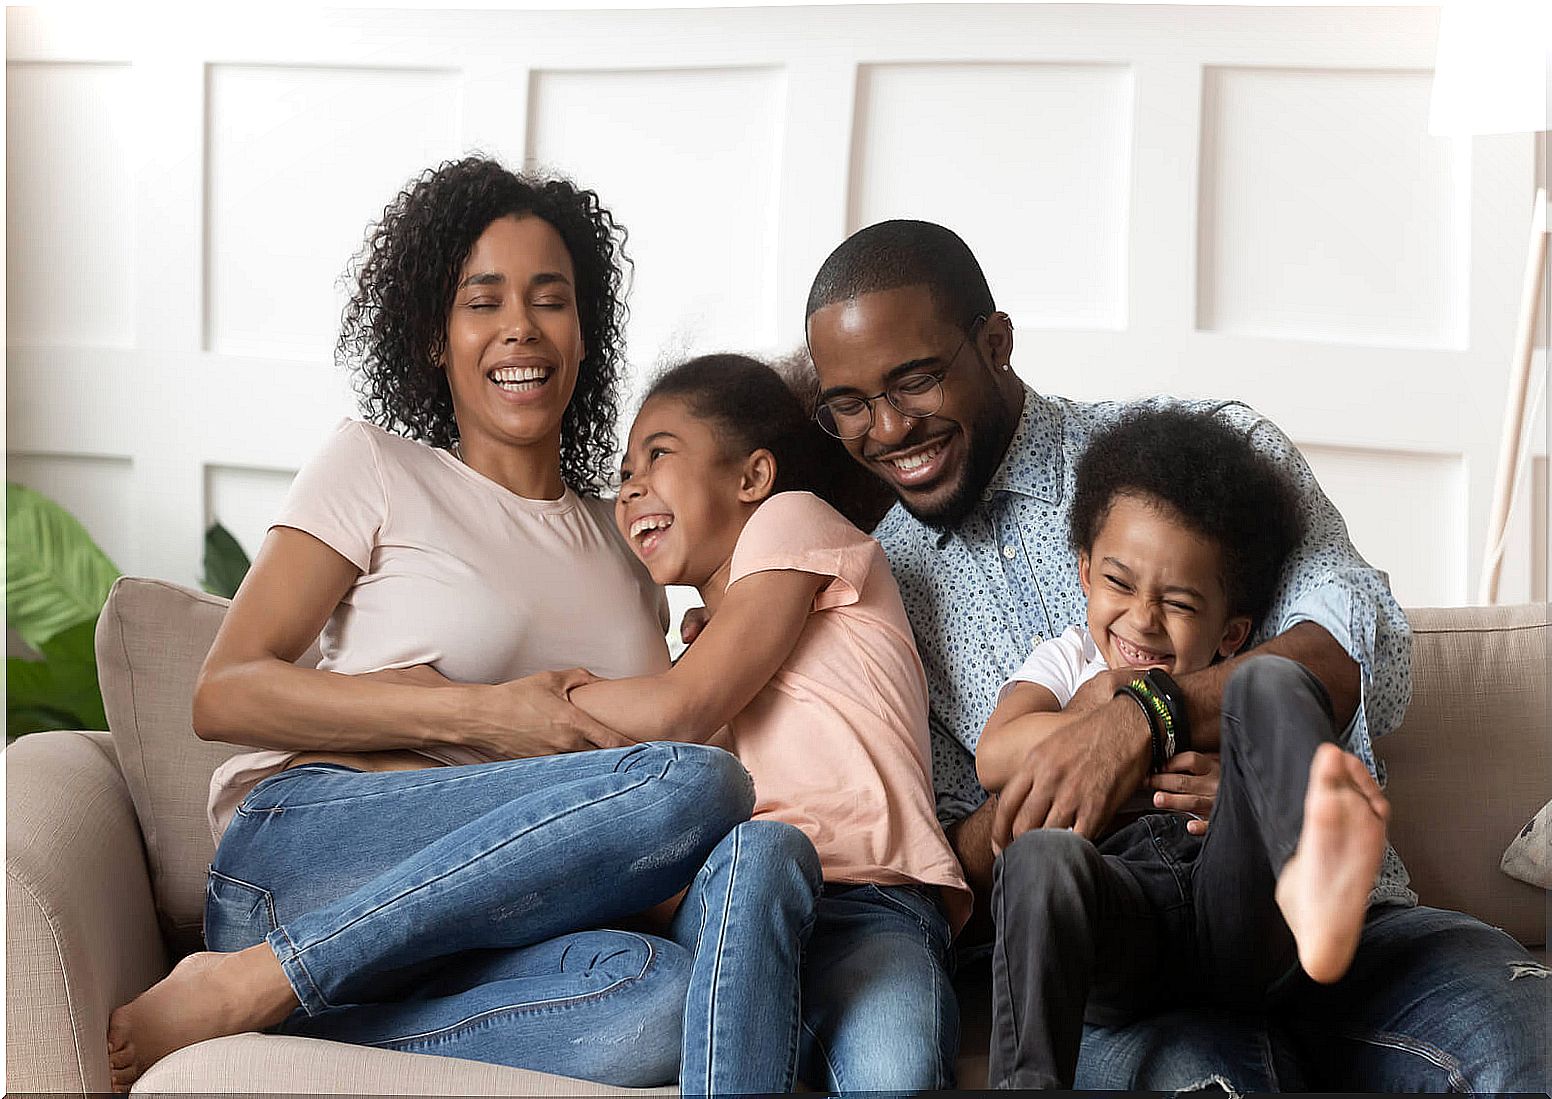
{"points": [[1153, 913]]}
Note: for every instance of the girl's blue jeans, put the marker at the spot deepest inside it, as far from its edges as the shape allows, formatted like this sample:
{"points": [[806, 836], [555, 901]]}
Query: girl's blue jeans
{"points": [[845, 986], [459, 910]]}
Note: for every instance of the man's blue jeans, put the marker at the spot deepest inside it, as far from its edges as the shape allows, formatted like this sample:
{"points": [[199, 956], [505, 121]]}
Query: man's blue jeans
{"points": [[1435, 1002], [845, 986], [447, 910]]}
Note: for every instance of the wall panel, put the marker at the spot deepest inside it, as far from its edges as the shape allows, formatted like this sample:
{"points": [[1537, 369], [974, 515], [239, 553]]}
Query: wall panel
{"points": [[1329, 213], [94, 489], [245, 501], [688, 161], [298, 160], [1405, 513], [1030, 162], [69, 205]]}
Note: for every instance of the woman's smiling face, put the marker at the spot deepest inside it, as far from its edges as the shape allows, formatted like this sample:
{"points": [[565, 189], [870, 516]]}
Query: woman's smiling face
{"points": [[514, 338]]}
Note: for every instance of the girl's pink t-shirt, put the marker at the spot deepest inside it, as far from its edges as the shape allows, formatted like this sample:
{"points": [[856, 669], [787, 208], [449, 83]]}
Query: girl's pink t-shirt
{"points": [[837, 740], [458, 572]]}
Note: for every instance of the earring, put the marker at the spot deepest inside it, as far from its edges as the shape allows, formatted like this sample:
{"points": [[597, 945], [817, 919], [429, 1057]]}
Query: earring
{"points": [[1008, 365]]}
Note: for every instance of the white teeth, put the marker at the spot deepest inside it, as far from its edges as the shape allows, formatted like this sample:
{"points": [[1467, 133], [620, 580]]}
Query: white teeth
{"points": [[915, 461], [518, 376], [650, 522], [1134, 652]]}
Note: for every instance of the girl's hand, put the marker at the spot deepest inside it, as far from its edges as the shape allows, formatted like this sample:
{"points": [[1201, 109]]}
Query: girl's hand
{"points": [[533, 716], [1188, 784]]}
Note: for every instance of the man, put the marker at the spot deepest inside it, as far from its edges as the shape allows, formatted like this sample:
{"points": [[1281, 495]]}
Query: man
{"points": [[900, 319]]}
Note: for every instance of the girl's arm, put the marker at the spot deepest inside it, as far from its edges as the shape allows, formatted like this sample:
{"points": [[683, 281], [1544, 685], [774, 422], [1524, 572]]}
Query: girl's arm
{"points": [[250, 691], [1027, 714], [753, 632]]}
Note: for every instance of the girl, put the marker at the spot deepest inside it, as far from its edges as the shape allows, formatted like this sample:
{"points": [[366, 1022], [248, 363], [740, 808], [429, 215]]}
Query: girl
{"points": [[821, 928]]}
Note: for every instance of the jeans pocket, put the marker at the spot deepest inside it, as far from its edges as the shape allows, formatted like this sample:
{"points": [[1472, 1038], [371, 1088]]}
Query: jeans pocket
{"points": [[238, 914]]}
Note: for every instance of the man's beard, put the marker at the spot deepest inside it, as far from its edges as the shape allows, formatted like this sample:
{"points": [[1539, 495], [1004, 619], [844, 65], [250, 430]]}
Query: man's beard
{"points": [[988, 445]]}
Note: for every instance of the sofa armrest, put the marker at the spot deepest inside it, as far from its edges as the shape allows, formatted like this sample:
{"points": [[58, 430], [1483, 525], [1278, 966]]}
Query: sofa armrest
{"points": [[81, 930]]}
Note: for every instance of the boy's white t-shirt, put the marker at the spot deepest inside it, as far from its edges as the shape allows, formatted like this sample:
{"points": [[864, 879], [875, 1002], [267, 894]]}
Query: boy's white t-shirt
{"points": [[1060, 665], [458, 572]]}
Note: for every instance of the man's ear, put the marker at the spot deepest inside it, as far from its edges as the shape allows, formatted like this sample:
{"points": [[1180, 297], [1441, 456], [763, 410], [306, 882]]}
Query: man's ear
{"points": [[758, 477], [1235, 633], [998, 335], [1083, 573]]}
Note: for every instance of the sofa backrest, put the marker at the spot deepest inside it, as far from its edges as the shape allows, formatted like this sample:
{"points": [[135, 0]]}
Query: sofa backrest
{"points": [[1467, 768], [152, 638]]}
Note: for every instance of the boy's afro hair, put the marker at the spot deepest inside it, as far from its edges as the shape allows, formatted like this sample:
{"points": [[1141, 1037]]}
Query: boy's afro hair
{"points": [[1207, 475]]}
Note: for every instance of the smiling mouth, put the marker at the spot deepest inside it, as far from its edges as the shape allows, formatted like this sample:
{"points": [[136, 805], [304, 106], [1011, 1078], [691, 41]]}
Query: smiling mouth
{"points": [[916, 465], [520, 379], [648, 531], [1138, 655]]}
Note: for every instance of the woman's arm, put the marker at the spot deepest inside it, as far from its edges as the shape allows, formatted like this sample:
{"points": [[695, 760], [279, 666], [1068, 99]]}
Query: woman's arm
{"points": [[1027, 714], [741, 648], [250, 691]]}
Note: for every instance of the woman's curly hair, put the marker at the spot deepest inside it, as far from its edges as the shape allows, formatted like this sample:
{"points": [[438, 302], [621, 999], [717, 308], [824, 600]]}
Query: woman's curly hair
{"points": [[394, 330]]}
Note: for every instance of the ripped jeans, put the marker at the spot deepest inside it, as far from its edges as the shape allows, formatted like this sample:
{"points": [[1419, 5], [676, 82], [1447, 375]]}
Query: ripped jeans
{"points": [[454, 910]]}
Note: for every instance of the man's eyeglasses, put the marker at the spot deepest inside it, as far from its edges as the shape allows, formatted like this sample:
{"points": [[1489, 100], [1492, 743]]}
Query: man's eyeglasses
{"points": [[916, 396]]}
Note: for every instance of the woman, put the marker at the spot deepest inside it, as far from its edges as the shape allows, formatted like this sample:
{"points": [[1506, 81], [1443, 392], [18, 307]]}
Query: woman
{"points": [[408, 862]]}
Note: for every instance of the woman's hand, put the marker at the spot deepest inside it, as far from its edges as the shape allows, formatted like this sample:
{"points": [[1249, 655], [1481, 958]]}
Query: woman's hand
{"points": [[533, 716], [1188, 784]]}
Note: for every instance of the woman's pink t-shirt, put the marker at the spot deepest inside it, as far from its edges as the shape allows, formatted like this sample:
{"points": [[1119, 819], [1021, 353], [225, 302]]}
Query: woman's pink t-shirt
{"points": [[837, 740], [458, 572]]}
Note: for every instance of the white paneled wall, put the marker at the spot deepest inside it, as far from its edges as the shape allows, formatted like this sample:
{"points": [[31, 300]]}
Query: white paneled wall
{"points": [[1206, 200]]}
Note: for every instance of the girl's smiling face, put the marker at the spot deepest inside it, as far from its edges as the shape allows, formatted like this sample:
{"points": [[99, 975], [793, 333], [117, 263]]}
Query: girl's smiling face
{"points": [[1155, 591], [683, 499]]}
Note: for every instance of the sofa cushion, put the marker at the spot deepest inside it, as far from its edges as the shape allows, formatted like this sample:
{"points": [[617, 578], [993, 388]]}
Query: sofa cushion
{"points": [[258, 1064], [1468, 767], [152, 638]]}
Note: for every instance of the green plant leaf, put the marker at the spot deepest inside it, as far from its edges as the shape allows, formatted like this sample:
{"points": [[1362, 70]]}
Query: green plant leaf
{"points": [[55, 576], [225, 562], [21, 720], [64, 682]]}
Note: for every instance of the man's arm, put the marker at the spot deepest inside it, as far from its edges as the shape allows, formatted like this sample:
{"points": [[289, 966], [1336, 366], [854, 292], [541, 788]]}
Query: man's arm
{"points": [[1333, 613]]}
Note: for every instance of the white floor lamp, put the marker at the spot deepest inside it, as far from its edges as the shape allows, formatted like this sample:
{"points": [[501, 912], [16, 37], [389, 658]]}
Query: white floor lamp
{"points": [[1491, 78]]}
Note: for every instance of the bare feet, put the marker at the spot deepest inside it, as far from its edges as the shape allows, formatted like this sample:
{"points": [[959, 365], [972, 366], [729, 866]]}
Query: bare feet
{"points": [[206, 995], [1324, 888]]}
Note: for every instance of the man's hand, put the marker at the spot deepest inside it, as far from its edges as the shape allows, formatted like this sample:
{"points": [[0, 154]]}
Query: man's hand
{"points": [[532, 716], [1079, 777], [1099, 689], [1188, 784]]}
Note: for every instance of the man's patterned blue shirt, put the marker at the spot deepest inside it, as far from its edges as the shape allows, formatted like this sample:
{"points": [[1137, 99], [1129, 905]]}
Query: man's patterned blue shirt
{"points": [[980, 597]]}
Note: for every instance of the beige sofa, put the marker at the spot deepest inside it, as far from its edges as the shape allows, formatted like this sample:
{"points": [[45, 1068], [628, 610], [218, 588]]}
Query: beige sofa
{"points": [[107, 847]]}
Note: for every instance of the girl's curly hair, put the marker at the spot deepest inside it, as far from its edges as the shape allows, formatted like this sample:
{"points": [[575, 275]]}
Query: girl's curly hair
{"points": [[394, 330]]}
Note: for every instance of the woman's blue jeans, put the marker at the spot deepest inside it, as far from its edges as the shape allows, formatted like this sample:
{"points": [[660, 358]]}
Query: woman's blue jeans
{"points": [[845, 986], [455, 910]]}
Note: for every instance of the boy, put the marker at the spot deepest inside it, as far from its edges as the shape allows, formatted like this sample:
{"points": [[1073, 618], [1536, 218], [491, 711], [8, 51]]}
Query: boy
{"points": [[1181, 529]]}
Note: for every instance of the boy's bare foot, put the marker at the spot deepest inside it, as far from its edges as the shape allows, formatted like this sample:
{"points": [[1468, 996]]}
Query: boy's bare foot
{"points": [[206, 995], [1324, 888]]}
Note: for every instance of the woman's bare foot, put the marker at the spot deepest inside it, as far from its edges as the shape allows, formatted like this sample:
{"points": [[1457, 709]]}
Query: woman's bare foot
{"points": [[206, 995], [1324, 888]]}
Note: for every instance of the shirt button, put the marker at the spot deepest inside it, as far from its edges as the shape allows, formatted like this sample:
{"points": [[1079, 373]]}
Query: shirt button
{"points": [[1009, 552]]}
